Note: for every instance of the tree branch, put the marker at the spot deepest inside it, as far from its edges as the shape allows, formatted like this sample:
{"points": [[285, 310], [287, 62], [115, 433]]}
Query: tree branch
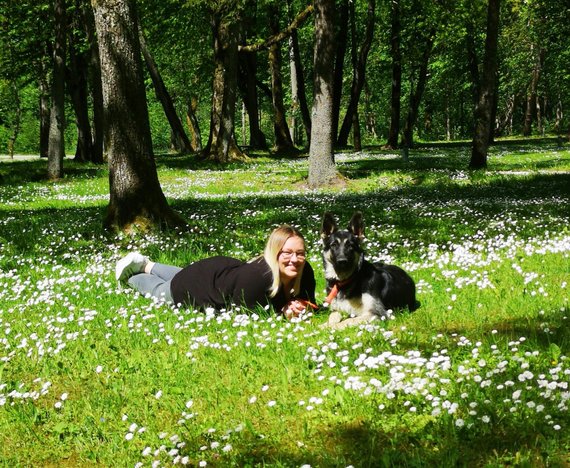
{"points": [[295, 24]]}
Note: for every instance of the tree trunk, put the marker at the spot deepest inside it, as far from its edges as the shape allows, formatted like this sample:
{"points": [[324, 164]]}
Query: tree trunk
{"points": [[95, 85], [222, 146], [359, 71], [77, 86], [44, 109], [341, 44], [531, 101], [494, 110], [17, 122], [300, 80], [472, 60], [417, 94], [369, 116], [503, 121], [356, 136], [559, 115], [283, 141], [179, 138], [248, 88], [396, 77], [56, 148], [483, 110], [322, 169], [136, 198], [293, 125], [247, 77], [193, 125]]}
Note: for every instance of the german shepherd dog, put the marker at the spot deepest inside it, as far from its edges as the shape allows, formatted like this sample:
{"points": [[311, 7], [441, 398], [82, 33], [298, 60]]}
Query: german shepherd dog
{"points": [[356, 286]]}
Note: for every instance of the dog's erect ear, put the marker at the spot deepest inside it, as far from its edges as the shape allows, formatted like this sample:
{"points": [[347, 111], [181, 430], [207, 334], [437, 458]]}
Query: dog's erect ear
{"points": [[329, 225], [356, 225]]}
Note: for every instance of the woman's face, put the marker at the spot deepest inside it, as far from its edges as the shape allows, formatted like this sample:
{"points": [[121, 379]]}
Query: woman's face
{"points": [[291, 259]]}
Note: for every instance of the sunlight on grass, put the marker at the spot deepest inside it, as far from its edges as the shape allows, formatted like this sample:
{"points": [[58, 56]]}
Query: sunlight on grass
{"points": [[94, 374]]}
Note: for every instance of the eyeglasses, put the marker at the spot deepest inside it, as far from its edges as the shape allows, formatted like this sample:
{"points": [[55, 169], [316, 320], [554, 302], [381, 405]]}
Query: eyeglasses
{"points": [[288, 254]]}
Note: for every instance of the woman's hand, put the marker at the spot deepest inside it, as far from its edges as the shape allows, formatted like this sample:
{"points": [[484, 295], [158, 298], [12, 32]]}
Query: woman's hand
{"points": [[295, 308]]}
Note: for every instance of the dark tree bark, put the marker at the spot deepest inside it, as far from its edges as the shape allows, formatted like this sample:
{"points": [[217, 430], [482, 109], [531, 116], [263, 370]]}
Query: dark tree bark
{"points": [[359, 72], [289, 31], [356, 135], [193, 125], [95, 84], [300, 85], [494, 110], [283, 141], [136, 198], [221, 146], [248, 87], [416, 94], [483, 110], [322, 169], [77, 86], [396, 76], [247, 80], [369, 116], [341, 44], [56, 148], [44, 108], [506, 120], [179, 137], [531, 100], [17, 122], [472, 60]]}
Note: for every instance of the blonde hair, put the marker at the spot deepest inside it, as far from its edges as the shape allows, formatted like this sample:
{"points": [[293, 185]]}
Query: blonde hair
{"points": [[271, 252]]}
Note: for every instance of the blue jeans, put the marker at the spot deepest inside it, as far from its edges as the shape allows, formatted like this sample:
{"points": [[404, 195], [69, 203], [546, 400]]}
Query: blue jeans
{"points": [[156, 283]]}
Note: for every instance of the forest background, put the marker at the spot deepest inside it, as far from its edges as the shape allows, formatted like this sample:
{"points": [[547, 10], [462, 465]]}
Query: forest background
{"points": [[422, 63]]}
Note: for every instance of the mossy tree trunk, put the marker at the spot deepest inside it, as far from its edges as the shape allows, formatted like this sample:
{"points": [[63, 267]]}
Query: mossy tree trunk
{"points": [[136, 198]]}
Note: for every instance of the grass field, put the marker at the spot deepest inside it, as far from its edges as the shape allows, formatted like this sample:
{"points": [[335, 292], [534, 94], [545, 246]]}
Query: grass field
{"points": [[92, 374]]}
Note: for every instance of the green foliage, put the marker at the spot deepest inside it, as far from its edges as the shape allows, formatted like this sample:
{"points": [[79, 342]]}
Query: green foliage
{"points": [[94, 374], [179, 36]]}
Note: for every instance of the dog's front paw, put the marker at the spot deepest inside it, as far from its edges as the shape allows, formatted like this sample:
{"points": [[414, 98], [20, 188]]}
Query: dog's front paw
{"points": [[334, 319]]}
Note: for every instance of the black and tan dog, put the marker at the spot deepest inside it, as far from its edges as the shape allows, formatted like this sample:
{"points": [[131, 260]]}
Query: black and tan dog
{"points": [[355, 286]]}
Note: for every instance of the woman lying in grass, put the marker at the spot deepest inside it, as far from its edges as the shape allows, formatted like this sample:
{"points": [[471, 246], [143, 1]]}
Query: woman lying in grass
{"points": [[281, 277]]}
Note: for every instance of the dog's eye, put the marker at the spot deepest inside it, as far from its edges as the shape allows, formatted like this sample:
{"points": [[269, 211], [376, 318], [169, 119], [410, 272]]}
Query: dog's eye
{"points": [[334, 243]]}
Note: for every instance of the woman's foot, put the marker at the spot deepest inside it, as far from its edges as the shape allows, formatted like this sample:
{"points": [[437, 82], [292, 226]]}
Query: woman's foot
{"points": [[130, 265]]}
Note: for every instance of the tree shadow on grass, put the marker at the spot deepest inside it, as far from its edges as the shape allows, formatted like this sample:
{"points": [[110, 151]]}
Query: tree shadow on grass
{"points": [[22, 172], [383, 440], [478, 206]]}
